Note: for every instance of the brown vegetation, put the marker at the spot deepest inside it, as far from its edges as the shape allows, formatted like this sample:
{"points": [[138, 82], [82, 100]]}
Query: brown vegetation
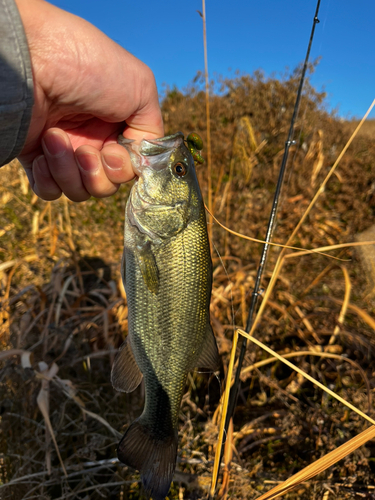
{"points": [[62, 300]]}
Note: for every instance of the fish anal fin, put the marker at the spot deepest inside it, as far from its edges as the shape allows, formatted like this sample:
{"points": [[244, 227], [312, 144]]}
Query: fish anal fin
{"points": [[125, 375], [149, 268], [209, 358], [154, 457]]}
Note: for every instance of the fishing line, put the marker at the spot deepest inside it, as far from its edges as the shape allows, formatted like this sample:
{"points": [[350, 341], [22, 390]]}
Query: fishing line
{"points": [[271, 225], [323, 27], [231, 285]]}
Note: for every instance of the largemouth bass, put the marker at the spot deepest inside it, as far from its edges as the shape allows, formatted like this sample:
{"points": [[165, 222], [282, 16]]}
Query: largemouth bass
{"points": [[167, 274]]}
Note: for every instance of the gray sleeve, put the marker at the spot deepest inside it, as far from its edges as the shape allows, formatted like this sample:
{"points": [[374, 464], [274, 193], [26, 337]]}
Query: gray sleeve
{"points": [[16, 83]]}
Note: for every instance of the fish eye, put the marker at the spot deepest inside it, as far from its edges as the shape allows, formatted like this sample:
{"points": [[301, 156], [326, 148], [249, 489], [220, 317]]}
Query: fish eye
{"points": [[180, 169]]}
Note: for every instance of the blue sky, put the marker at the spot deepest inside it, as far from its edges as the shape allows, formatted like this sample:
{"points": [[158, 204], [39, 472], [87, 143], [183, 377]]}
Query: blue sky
{"points": [[246, 35]]}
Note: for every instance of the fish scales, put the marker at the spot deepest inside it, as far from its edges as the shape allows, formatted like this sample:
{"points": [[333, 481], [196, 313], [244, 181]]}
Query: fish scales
{"points": [[180, 303], [167, 275]]}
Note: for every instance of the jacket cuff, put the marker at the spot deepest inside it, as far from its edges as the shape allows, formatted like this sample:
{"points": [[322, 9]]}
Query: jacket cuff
{"points": [[16, 83]]}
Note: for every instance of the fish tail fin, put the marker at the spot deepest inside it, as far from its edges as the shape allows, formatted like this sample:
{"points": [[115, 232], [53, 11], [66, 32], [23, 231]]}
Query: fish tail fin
{"points": [[154, 457]]}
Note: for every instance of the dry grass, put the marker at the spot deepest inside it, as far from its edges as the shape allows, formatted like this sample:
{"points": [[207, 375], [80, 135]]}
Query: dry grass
{"points": [[62, 301], [368, 129]]}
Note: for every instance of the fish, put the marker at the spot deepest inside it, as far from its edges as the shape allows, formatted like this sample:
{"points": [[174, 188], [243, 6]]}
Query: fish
{"points": [[167, 275]]}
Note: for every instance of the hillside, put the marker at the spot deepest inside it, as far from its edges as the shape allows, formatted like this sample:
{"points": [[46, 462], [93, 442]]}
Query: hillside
{"points": [[62, 301]]}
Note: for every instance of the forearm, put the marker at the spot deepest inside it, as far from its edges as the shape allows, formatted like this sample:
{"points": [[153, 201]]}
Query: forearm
{"points": [[16, 83]]}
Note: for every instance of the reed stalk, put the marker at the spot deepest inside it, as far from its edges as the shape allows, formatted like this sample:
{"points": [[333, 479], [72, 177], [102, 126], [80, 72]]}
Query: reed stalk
{"points": [[208, 140]]}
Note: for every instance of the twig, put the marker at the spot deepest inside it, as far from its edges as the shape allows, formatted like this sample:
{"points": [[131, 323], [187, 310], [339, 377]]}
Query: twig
{"points": [[344, 307], [97, 487], [320, 465]]}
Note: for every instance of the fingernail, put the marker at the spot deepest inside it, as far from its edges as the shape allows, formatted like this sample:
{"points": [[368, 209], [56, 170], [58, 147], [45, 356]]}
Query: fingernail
{"points": [[112, 161], [55, 144], [88, 162], [41, 163]]}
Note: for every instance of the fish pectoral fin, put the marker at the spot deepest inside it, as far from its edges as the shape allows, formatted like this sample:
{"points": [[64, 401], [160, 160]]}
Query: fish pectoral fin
{"points": [[209, 357], [149, 268], [125, 375]]}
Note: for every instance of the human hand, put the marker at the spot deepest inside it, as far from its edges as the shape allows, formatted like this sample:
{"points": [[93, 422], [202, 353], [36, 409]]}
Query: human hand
{"points": [[85, 88]]}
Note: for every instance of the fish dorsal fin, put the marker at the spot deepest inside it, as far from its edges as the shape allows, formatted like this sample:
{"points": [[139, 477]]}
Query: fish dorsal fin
{"points": [[149, 268], [209, 357], [126, 375]]}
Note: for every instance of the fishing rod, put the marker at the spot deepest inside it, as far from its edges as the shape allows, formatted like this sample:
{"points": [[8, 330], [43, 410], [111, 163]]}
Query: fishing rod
{"points": [[271, 226]]}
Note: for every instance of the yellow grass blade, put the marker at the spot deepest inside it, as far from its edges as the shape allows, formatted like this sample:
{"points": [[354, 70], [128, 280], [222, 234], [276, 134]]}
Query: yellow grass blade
{"points": [[282, 256], [318, 163], [219, 443], [348, 287], [68, 227], [278, 266], [330, 247], [297, 354], [255, 240], [7, 228], [275, 274], [300, 252], [333, 168], [228, 454], [35, 224], [245, 372], [360, 312], [320, 465], [43, 403], [306, 375], [14, 262]]}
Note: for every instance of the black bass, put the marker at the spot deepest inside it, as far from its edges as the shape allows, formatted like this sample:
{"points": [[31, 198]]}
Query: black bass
{"points": [[167, 274]]}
